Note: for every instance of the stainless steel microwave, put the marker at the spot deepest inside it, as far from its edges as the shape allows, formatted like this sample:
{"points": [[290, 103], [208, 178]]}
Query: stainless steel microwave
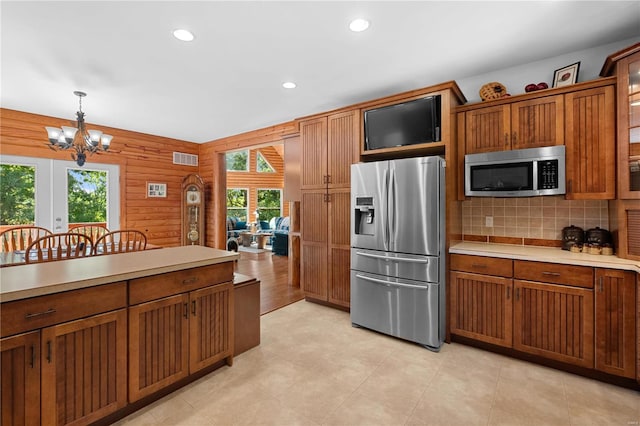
{"points": [[517, 173]]}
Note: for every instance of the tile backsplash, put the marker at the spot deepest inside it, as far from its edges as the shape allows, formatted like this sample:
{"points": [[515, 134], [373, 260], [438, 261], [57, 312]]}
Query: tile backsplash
{"points": [[532, 217]]}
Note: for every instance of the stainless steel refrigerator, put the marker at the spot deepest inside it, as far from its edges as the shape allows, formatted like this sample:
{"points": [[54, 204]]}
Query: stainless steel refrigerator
{"points": [[397, 248]]}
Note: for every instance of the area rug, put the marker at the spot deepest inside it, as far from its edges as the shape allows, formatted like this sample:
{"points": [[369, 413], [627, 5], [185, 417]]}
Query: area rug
{"points": [[251, 249]]}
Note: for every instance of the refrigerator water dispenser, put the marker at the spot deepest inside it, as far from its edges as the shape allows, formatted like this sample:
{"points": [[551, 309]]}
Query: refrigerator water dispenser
{"points": [[364, 216]]}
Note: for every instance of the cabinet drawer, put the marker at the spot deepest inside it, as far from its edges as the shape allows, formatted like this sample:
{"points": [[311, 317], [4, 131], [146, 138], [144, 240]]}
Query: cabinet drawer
{"points": [[555, 273], [163, 285], [43, 311], [482, 265]]}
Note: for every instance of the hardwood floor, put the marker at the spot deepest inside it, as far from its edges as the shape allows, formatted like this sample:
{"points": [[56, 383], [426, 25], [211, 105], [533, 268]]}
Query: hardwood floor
{"points": [[271, 270]]}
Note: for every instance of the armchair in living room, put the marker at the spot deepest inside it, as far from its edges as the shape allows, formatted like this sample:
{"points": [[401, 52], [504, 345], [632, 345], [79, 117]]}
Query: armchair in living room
{"points": [[280, 239]]}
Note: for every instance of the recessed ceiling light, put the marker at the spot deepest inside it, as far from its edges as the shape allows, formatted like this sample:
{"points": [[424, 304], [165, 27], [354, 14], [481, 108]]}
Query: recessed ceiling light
{"points": [[358, 25], [289, 85], [184, 35]]}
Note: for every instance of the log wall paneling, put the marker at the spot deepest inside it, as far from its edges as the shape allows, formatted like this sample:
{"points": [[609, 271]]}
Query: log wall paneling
{"points": [[20, 380]]}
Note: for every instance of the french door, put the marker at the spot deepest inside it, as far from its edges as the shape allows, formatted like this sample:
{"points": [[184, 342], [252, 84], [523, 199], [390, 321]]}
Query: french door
{"points": [[54, 204]]}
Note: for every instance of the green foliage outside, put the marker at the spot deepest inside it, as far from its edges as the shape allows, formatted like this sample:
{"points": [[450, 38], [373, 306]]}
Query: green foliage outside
{"points": [[269, 204], [87, 196], [237, 203], [17, 194], [238, 161], [262, 165]]}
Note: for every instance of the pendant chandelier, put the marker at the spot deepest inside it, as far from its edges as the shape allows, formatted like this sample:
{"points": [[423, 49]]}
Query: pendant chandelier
{"points": [[79, 139]]}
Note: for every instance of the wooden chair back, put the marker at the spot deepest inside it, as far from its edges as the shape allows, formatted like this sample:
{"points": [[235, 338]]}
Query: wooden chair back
{"points": [[94, 231], [61, 246], [21, 237], [121, 241]]}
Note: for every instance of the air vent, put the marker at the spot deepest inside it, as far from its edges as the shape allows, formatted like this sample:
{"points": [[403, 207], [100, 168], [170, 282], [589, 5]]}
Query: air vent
{"points": [[185, 159]]}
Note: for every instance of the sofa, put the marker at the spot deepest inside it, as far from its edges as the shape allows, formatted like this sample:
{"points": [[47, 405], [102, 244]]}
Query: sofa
{"points": [[280, 241], [234, 227]]}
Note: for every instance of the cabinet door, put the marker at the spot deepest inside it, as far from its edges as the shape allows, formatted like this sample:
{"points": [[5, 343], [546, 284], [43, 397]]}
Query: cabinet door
{"points": [[210, 326], [554, 321], [537, 122], [628, 72], [84, 369], [313, 141], [158, 344], [590, 144], [313, 245], [616, 322], [482, 307], [342, 147], [488, 129], [339, 247], [20, 379]]}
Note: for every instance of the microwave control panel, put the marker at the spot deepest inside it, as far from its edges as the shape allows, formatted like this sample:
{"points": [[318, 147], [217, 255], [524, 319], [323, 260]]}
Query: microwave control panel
{"points": [[547, 174]]}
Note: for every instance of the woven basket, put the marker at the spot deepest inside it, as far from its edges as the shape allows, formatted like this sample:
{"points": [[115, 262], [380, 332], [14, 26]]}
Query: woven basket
{"points": [[493, 90]]}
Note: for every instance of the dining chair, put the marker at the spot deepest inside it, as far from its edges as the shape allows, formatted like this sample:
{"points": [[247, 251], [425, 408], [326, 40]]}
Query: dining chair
{"points": [[20, 237], [94, 231], [121, 241], [67, 245]]}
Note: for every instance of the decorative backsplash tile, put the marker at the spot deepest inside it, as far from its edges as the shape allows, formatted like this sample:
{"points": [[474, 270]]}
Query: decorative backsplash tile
{"points": [[532, 217]]}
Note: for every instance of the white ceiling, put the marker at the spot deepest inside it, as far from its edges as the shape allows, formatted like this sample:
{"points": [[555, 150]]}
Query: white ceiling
{"points": [[228, 81]]}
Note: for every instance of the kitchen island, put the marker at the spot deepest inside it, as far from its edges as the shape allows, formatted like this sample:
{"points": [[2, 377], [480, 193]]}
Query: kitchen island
{"points": [[92, 339]]}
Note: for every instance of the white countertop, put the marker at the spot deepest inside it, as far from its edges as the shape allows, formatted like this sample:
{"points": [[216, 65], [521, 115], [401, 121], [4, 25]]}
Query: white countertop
{"points": [[37, 279], [543, 254]]}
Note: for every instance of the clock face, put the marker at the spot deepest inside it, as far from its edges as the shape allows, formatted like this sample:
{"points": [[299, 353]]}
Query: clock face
{"points": [[193, 197]]}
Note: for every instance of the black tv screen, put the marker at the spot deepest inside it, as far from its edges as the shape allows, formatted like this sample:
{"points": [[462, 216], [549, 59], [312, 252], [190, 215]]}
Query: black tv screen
{"points": [[408, 123]]}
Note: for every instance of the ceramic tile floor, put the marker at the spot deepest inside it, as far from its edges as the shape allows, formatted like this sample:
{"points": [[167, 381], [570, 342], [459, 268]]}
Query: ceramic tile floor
{"points": [[314, 368]]}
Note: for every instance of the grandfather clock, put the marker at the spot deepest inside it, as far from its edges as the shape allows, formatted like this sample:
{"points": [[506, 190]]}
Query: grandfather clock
{"points": [[193, 210]]}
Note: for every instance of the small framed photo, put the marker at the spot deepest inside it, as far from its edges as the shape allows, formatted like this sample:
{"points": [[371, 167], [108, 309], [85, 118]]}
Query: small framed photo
{"points": [[566, 76], [156, 190]]}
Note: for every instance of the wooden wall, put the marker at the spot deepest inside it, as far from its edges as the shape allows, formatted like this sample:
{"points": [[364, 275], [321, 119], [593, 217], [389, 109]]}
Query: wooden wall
{"points": [[142, 158], [252, 180]]}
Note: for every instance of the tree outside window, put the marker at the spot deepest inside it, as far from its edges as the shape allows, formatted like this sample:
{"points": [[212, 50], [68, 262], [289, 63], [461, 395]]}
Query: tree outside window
{"points": [[262, 165], [269, 204], [237, 201], [17, 194], [237, 161], [87, 196]]}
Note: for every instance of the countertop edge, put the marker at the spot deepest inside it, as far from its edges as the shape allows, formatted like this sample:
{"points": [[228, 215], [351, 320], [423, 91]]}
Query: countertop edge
{"points": [[543, 254]]}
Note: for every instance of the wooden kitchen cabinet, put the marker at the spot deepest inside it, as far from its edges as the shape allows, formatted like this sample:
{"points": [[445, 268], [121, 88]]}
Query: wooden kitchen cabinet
{"points": [[590, 144], [84, 369], [554, 321], [329, 147], [20, 378], [615, 319], [519, 125]]}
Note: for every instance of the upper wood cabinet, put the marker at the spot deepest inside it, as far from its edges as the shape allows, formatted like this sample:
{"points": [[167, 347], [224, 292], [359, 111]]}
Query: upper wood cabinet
{"points": [[526, 124], [625, 65], [590, 144], [329, 147]]}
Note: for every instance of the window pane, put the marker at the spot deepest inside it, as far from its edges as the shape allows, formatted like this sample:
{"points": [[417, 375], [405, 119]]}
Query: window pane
{"points": [[17, 196], [87, 196], [269, 205], [262, 165], [237, 161], [237, 203]]}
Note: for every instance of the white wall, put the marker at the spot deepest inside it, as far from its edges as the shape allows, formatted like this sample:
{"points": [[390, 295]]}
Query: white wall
{"points": [[516, 78]]}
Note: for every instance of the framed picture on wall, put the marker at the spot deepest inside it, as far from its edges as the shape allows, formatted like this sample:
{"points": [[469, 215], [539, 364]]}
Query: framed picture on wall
{"points": [[566, 76], [156, 190]]}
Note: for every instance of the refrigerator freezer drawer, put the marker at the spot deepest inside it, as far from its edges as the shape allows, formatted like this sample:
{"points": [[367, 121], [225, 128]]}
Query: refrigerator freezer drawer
{"points": [[402, 308], [411, 267]]}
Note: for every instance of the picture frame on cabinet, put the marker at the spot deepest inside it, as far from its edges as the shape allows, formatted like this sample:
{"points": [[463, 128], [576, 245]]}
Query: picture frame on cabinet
{"points": [[566, 76], [156, 190]]}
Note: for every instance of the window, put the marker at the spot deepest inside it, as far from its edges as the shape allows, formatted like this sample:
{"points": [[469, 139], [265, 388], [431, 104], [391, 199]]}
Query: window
{"points": [[238, 161], [262, 165], [61, 193], [269, 203], [18, 196], [237, 203]]}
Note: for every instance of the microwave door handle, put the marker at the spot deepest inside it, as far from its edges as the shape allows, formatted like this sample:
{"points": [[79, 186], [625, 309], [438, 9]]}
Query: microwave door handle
{"points": [[535, 176]]}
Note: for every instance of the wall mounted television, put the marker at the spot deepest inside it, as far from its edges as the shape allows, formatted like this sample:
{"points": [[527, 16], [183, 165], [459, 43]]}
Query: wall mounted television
{"points": [[408, 123]]}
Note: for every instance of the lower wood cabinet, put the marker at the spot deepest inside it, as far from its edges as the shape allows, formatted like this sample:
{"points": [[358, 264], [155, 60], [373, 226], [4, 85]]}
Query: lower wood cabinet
{"points": [[579, 315], [554, 321], [178, 335], [20, 378]]}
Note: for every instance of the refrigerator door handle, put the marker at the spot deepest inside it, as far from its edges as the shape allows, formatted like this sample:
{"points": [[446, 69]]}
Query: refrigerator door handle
{"points": [[391, 283], [392, 207], [385, 198], [394, 259]]}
